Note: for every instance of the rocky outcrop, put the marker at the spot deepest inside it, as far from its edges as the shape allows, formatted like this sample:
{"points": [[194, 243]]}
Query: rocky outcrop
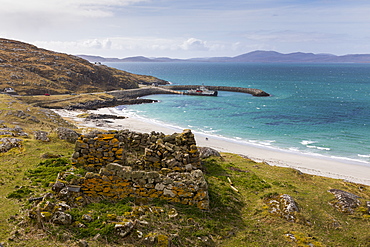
{"points": [[41, 135], [101, 119], [345, 202], [206, 152], [17, 131], [103, 116], [67, 134], [61, 218], [139, 92], [7, 143], [96, 104], [283, 206], [22, 115]]}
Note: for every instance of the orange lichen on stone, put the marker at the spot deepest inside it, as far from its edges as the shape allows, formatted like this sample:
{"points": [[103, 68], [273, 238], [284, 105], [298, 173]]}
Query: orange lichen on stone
{"points": [[123, 184], [200, 195], [182, 193], [107, 136], [193, 149], [204, 205], [145, 166]]}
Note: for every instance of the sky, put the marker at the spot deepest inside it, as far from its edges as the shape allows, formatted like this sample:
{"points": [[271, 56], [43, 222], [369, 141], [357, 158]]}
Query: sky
{"points": [[188, 28]]}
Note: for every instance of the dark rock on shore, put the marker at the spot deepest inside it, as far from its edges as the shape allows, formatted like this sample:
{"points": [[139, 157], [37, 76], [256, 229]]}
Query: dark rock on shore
{"points": [[103, 116], [96, 104]]}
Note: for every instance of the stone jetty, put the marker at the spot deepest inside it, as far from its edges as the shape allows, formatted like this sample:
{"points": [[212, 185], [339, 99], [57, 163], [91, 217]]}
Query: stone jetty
{"points": [[132, 96], [173, 89], [252, 91]]}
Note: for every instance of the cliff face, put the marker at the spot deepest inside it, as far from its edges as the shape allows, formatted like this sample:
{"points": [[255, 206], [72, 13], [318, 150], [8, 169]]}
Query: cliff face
{"points": [[30, 70]]}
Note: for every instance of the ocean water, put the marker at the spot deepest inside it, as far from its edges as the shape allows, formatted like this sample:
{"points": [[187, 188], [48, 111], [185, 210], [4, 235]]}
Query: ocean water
{"points": [[319, 109]]}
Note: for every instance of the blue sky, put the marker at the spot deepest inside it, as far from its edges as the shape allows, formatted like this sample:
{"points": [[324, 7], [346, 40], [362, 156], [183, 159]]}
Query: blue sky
{"points": [[188, 28]]}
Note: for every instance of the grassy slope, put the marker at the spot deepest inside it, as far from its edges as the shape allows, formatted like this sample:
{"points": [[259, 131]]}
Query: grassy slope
{"points": [[31, 71], [235, 218], [17, 161], [326, 225]]}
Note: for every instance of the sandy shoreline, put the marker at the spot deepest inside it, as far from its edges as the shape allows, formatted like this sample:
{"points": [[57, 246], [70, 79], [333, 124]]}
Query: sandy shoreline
{"points": [[311, 164]]}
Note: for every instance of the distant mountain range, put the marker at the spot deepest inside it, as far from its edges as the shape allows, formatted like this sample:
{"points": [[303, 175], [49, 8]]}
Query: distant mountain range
{"points": [[255, 56]]}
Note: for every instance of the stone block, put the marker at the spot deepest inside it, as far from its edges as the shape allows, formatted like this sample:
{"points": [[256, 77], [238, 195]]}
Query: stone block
{"points": [[160, 186], [167, 181], [137, 174], [114, 167], [149, 185], [170, 193], [182, 193]]}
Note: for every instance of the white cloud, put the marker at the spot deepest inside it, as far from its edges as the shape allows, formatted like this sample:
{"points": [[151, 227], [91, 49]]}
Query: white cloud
{"points": [[97, 44], [195, 45]]}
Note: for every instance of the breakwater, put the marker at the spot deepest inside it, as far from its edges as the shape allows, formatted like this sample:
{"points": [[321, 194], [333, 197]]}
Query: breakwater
{"points": [[132, 96], [173, 89], [252, 91]]}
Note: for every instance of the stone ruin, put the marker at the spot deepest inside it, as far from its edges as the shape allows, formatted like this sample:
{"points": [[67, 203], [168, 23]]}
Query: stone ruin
{"points": [[124, 164]]}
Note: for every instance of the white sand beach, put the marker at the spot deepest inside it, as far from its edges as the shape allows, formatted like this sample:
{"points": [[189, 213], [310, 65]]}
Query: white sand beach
{"points": [[312, 164]]}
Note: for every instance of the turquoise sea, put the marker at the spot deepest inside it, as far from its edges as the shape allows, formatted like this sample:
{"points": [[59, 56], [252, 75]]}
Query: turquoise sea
{"points": [[320, 109]]}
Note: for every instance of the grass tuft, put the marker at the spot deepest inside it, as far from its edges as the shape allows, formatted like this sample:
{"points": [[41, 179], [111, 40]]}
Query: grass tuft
{"points": [[46, 172]]}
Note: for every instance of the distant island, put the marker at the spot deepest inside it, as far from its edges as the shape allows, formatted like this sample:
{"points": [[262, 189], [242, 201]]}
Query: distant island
{"points": [[251, 57]]}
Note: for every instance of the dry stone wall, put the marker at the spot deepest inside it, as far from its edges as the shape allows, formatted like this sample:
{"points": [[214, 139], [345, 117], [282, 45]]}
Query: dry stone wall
{"points": [[130, 164], [142, 151]]}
